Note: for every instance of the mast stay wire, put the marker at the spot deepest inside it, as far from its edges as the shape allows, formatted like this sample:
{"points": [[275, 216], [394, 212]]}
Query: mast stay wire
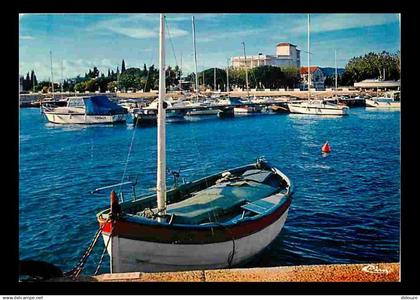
{"points": [[134, 129]]}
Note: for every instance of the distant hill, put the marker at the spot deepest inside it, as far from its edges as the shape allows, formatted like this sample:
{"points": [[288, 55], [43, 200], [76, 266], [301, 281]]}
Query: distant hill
{"points": [[331, 71]]}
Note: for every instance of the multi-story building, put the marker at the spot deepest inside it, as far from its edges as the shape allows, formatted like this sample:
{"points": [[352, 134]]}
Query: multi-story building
{"points": [[287, 55], [317, 78]]}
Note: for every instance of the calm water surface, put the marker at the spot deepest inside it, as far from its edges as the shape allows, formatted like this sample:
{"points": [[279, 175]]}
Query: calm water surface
{"points": [[346, 207]]}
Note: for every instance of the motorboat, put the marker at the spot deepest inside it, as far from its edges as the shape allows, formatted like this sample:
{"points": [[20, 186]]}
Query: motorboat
{"points": [[317, 107], [86, 110], [389, 100]]}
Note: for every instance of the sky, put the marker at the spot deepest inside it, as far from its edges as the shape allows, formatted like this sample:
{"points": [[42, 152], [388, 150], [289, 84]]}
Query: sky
{"points": [[81, 41]]}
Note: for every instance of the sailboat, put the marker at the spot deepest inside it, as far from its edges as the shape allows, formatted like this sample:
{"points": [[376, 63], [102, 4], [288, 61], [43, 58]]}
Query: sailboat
{"points": [[316, 107], [217, 221]]}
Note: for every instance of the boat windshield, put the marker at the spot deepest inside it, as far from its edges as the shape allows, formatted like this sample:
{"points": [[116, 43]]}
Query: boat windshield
{"points": [[76, 102]]}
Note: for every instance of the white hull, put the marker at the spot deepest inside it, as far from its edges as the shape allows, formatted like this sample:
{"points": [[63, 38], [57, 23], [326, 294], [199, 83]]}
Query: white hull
{"points": [[309, 109], [245, 110], [129, 255], [383, 104], [59, 118], [203, 112]]}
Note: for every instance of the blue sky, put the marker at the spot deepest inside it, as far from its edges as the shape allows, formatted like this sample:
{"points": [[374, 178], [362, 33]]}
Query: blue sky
{"points": [[81, 41]]}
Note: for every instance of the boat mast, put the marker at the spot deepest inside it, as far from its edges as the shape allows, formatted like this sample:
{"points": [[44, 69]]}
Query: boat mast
{"points": [[335, 59], [52, 79], [246, 71], [214, 79], [227, 78], [180, 74], [195, 58], [309, 68], [161, 134], [62, 79]]}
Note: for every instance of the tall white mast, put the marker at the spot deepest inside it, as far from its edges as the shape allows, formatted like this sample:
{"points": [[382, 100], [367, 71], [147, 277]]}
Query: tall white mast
{"points": [[161, 134], [195, 57], [52, 79], [246, 70], [335, 59], [309, 66], [227, 78]]}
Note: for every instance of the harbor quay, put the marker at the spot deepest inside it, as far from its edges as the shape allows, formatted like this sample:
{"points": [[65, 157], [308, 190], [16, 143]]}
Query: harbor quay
{"points": [[25, 100], [377, 272]]}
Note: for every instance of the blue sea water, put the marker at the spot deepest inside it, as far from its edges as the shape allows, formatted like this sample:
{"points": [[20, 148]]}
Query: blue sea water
{"points": [[346, 206]]}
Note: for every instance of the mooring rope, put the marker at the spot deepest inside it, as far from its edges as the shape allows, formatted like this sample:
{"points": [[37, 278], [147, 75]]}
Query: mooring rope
{"points": [[79, 267], [103, 252]]}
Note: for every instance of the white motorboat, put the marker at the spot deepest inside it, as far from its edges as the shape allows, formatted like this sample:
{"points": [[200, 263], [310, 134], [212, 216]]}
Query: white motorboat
{"points": [[86, 110], [246, 109], [389, 100], [317, 107]]}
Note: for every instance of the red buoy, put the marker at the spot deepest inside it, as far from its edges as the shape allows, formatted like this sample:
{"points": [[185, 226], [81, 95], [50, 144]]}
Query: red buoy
{"points": [[326, 148]]}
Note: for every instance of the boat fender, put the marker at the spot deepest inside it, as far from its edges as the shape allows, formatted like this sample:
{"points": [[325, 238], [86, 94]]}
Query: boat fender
{"points": [[115, 206], [326, 148]]}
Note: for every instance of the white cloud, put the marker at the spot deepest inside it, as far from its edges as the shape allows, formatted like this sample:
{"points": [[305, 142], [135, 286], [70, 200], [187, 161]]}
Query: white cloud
{"points": [[333, 22], [136, 26], [210, 37]]}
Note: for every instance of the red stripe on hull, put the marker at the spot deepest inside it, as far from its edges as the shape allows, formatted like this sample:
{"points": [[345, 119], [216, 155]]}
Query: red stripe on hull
{"points": [[163, 233]]}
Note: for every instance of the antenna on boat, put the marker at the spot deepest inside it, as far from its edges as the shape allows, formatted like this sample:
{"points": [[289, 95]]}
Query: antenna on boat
{"points": [[161, 134]]}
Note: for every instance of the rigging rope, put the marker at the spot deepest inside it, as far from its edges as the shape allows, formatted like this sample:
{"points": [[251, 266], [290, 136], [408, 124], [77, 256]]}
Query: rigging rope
{"points": [[170, 39], [134, 127]]}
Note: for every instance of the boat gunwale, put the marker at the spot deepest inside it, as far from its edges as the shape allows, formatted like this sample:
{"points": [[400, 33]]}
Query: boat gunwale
{"points": [[143, 221]]}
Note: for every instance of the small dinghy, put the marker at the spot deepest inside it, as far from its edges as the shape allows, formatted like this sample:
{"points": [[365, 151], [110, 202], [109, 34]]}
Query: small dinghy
{"points": [[217, 221]]}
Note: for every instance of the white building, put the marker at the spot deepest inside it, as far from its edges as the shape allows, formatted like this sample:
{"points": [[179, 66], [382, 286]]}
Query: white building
{"points": [[287, 55]]}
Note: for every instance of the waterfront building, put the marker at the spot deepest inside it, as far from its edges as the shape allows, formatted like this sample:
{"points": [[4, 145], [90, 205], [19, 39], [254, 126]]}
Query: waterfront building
{"points": [[287, 55], [317, 78]]}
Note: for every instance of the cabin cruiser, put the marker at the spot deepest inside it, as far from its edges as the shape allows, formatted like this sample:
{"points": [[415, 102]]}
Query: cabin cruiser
{"points": [[317, 107], [86, 110], [389, 100]]}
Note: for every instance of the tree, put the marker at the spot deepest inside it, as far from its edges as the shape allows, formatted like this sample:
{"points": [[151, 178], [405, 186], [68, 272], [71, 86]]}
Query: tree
{"points": [[123, 66], [372, 65]]}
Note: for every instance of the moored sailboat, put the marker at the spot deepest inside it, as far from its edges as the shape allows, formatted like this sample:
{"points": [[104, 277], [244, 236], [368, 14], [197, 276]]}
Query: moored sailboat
{"points": [[218, 221], [315, 107]]}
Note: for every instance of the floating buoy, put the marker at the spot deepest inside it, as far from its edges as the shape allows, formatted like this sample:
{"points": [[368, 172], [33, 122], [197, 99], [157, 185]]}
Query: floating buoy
{"points": [[326, 148]]}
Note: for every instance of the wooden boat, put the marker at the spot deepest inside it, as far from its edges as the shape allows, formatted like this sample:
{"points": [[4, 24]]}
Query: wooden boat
{"points": [[86, 110], [217, 221]]}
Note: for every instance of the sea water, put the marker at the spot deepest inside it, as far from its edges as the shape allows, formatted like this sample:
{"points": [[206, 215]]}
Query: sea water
{"points": [[346, 206]]}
